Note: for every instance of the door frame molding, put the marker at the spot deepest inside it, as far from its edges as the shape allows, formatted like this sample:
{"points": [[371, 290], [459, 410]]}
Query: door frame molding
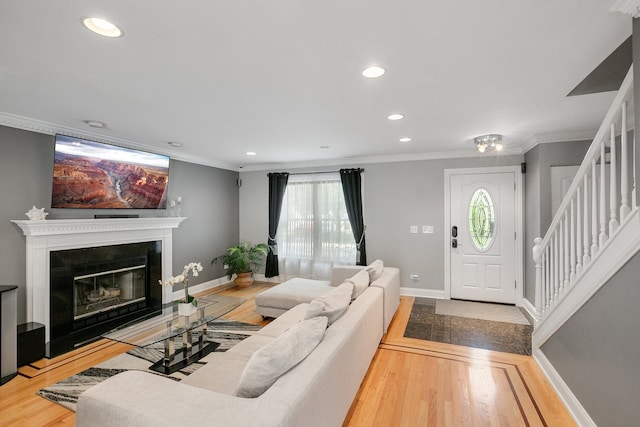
{"points": [[519, 224]]}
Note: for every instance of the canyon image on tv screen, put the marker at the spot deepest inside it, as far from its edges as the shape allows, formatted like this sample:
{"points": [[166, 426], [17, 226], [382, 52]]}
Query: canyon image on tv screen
{"points": [[94, 175]]}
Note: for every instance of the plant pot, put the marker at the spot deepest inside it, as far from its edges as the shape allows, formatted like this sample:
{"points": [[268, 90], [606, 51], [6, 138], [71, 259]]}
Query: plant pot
{"points": [[186, 309], [243, 280]]}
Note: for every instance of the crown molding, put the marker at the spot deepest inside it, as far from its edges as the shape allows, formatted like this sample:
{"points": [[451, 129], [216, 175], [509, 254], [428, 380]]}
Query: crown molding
{"points": [[627, 7], [43, 127], [393, 158], [586, 135], [39, 126]]}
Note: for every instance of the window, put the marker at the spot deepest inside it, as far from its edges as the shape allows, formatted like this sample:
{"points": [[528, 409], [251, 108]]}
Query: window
{"points": [[481, 220], [314, 223]]}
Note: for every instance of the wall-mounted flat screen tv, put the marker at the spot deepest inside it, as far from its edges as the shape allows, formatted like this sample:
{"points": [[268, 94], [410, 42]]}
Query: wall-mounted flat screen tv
{"points": [[93, 175]]}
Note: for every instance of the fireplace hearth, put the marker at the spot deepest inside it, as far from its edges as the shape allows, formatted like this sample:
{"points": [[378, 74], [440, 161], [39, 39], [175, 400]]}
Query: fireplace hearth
{"points": [[94, 290]]}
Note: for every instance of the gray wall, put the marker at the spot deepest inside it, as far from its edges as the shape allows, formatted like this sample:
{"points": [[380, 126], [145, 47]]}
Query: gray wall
{"points": [[210, 201], [596, 351], [538, 218], [395, 196]]}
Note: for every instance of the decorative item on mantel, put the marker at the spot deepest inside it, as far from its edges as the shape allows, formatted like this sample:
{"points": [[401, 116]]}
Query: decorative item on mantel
{"points": [[187, 306], [175, 206], [36, 214]]}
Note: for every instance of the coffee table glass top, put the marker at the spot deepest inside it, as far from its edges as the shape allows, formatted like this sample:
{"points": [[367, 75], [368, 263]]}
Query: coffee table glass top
{"points": [[170, 324]]}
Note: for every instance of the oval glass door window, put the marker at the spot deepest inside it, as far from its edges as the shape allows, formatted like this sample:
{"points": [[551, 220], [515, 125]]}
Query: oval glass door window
{"points": [[482, 219]]}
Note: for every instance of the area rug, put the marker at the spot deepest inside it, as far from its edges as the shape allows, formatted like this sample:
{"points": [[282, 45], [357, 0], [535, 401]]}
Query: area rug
{"points": [[482, 311], [66, 392]]}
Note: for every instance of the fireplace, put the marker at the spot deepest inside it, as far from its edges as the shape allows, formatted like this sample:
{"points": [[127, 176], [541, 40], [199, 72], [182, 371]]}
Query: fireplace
{"points": [[93, 290], [69, 258]]}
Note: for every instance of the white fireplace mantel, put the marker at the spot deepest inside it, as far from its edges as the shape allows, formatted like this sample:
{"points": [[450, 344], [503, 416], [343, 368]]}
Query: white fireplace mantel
{"points": [[45, 236], [52, 227]]}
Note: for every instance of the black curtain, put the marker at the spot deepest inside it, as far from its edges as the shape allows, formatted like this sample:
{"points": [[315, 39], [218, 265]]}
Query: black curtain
{"points": [[277, 187], [352, 189]]}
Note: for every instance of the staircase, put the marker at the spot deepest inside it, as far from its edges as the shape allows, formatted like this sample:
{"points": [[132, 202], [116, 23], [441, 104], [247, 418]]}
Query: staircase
{"points": [[595, 231], [597, 227]]}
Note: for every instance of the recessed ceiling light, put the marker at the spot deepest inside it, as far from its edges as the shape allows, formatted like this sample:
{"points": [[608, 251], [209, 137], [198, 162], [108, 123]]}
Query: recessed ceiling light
{"points": [[373, 72], [102, 27], [95, 124], [251, 153], [175, 144], [406, 139], [395, 116]]}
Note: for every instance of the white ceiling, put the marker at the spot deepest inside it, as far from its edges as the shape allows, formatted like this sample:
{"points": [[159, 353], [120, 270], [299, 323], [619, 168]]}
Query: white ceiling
{"points": [[282, 77]]}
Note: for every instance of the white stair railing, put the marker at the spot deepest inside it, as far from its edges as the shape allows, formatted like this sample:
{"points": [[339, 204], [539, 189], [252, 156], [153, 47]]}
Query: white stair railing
{"points": [[599, 200]]}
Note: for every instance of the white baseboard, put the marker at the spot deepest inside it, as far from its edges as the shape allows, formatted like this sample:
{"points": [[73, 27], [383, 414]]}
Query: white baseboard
{"points": [[262, 278], [578, 412], [424, 293], [531, 309], [205, 286]]}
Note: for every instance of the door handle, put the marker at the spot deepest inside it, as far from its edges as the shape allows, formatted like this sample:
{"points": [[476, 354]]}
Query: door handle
{"points": [[454, 231], [454, 243]]}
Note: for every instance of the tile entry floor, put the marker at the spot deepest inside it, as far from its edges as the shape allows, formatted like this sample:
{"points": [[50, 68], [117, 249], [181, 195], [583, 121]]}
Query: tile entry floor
{"points": [[425, 324]]}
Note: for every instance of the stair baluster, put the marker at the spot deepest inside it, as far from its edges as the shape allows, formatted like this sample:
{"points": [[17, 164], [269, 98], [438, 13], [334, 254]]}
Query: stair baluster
{"points": [[588, 221]]}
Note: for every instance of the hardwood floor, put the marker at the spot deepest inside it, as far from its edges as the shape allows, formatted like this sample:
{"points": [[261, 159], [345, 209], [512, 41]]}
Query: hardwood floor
{"points": [[410, 382], [415, 382]]}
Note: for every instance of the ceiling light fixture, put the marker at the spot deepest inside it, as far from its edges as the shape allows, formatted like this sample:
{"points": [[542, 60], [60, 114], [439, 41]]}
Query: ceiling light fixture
{"points": [[95, 124], [373, 72], [405, 139], [251, 153], [395, 116], [175, 144], [488, 141], [102, 27]]}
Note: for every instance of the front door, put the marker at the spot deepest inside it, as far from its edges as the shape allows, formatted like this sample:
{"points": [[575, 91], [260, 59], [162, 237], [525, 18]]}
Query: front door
{"points": [[483, 237]]}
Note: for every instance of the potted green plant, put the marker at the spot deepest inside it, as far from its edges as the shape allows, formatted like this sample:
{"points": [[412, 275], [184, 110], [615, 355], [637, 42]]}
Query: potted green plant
{"points": [[242, 260]]}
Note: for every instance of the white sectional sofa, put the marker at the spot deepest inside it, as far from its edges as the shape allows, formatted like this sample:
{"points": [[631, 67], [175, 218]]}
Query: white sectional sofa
{"points": [[316, 392], [277, 300]]}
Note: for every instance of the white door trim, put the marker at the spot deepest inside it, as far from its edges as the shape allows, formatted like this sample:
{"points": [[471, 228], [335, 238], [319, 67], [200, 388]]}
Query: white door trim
{"points": [[519, 199]]}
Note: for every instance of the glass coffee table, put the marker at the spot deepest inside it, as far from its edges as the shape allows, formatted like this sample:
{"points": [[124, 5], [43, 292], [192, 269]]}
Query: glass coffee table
{"points": [[169, 325]]}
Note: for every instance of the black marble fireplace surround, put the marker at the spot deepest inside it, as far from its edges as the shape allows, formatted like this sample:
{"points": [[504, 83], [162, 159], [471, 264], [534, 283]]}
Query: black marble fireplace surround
{"points": [[102, 307]]}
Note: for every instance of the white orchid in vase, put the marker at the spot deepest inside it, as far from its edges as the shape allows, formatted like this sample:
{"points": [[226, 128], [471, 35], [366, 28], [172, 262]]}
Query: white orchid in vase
{"points": [[194, 268]]}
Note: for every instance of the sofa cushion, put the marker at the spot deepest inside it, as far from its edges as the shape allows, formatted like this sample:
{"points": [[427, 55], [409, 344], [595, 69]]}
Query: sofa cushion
{"points": [[222, 370], [277, 357], [375, 270], [292, 292], [360, 282], [332, 305], [280, 325]]}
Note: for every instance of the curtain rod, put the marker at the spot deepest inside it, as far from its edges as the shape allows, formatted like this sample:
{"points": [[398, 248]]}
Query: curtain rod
{"points": [[314, 173]]}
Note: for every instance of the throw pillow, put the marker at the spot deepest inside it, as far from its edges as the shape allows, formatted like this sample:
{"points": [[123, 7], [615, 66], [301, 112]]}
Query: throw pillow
{"points": [[283, 353], [375, 269], [333, 304], [360, 282]]}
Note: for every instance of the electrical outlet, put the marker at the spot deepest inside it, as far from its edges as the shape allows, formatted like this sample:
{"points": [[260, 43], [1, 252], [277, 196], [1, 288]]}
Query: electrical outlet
{"points": [[427, 229], [414, 277]]}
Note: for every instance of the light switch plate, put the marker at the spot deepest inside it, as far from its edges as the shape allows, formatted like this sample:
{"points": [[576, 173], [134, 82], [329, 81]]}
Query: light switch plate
{"points": [[413, 229], [427, 229]]}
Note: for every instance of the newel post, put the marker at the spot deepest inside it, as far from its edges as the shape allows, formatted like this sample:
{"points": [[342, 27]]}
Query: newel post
{"points": [[537, 259]]}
